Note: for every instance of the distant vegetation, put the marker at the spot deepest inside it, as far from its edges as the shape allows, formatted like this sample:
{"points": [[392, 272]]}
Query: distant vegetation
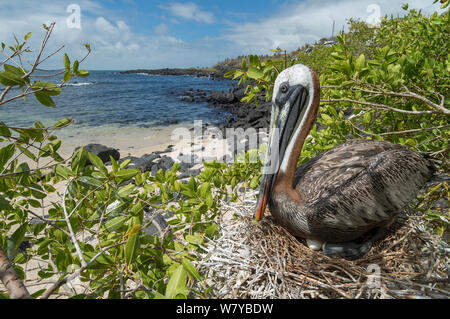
{"points": [[389, 82]]}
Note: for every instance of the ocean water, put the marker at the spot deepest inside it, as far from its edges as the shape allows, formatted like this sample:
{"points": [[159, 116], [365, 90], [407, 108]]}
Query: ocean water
{"points": [[109, 99]]}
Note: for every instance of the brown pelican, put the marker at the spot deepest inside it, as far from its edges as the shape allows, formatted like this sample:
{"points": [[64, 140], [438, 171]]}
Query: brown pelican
{"points": [[354, 189]]}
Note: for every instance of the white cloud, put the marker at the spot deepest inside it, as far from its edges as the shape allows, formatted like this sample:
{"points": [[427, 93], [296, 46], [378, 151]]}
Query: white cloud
{"points": [[115, 45], [307, 22], [161, 29], [189, 11]]}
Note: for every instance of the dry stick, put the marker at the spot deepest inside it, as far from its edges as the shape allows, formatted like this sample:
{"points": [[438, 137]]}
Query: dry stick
{"points": [[383, 106], [30, 92], [61, 71], [51, 54], [86, 196], [17, 156], [11, 280], [439, 107], [69, 226], [70, 277], [5, 91], [48, 222], [43, 44]]}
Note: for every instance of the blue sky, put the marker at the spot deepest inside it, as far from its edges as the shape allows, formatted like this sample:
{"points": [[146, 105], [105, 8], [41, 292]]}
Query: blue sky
{"points": [[129, 34]]}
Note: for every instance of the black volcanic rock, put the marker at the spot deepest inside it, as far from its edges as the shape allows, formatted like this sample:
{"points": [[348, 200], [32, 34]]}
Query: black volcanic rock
{"points": [[222, 97], [167, 71], [102, 151]]}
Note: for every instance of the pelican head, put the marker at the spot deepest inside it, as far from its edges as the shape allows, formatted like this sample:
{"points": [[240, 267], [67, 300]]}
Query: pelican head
{"points": [[292, 102]]}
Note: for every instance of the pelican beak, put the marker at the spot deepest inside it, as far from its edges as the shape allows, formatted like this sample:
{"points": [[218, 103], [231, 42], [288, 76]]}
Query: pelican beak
{"points": [[284, 120]]}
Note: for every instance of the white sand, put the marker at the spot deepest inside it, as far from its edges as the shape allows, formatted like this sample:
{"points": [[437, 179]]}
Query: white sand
{"points": [[127, 140]]}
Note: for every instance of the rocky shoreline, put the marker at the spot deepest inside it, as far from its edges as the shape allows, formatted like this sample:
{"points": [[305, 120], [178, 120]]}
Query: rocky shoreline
{"points": [[242, 115], [245, 115], [167, 71]]}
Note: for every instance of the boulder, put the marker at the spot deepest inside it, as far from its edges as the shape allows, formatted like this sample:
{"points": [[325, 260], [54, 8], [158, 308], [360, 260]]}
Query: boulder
{"points": [[222, 97], [166, 163], [189, 173], [102, 151]]}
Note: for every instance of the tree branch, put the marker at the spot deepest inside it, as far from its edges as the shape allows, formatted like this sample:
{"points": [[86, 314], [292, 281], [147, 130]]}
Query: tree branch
{"points": [[438, 107], [69, 226], [11, 280], [70, 277], [5, 91], [382, 106], [43, 44]]}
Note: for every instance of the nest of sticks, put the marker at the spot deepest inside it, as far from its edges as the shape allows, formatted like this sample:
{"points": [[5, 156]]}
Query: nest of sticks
{"points": [[263, 260]]}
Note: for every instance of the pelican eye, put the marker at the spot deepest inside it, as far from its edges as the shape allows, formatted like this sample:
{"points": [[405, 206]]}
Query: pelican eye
{"points": [[284, 88]]}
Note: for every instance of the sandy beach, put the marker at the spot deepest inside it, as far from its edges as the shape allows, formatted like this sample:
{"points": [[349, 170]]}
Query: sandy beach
{"points": [[128, 141]]}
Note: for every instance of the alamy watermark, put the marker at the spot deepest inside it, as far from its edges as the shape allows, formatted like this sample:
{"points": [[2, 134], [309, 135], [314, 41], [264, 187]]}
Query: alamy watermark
{"points": [[209, 143], [73, 21], [374, 18], [374, 276]]}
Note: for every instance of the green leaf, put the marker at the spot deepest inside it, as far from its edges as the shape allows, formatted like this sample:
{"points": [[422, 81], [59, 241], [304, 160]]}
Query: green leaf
{"points": [[254, 73], [44, 98], [82, 73], [14, 70], [63, 122], [254, 183], [90, 182], [27, 36], [116, 223], [16, 239], [341, 38], [410, 142], [194, 239], [78, 160], [102, 262], [126, 190], [254, 60], [48, 88], [44, 246], [244, 64], [9, 78], [4, 204], [360, 62], [126, 174], [135, 227], [6, 153], [75, 66], [63, 171], [327, 118], [367, 118], [37, 228], [229, 74], [205, 189], [190, 268], [26, 152], [97, 162], [177, 283], [67, 76], [131, 248], [38, 293], [66, 62], [4, 130]]}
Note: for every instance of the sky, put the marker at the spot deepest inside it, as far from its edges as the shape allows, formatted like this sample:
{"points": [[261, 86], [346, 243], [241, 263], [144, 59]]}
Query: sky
{"points": [[131, 34]]}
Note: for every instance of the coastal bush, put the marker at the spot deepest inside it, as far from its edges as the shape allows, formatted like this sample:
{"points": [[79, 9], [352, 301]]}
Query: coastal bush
{"points": [[88, 225], [386, 83]]}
